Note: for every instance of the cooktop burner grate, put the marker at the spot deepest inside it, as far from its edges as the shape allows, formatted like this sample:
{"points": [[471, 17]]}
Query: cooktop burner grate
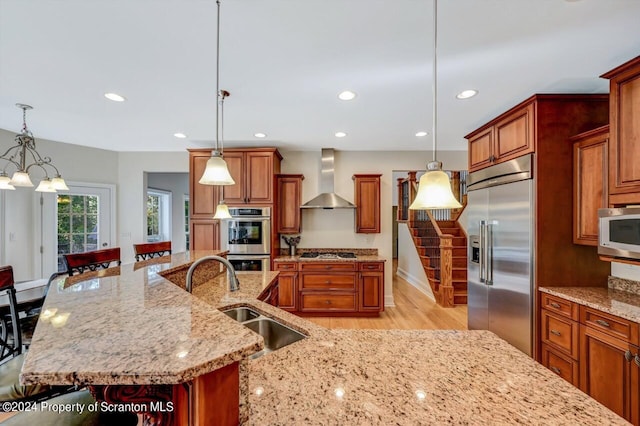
{"points": [[328, 255]]}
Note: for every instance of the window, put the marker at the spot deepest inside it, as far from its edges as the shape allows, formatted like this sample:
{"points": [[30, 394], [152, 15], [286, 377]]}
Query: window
{"points": [[158, 215], [186, 221], [78, 228]]}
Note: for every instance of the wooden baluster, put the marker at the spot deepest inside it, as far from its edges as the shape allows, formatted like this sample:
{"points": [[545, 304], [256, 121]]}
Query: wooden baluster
{"points": [[400, 201], [412, 195]]}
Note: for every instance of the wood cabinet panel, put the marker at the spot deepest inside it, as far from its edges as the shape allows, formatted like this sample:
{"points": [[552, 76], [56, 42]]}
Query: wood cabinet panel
{"points": [[234, 194], [285, 266], [205, 234], [514, 135], [590, 187], [371, 266], [328, 302], [367, 200], [287, 291], [615, 326], [561, 364], [480, 149], [259, 177], [371, 292], [203, 198], [289, 190], [560, 306], [560, 333], [328, 266], [327, 281]]}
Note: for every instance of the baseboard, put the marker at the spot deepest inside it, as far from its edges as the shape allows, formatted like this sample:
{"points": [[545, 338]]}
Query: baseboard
{"points": [[388, 301], [423, 286]]}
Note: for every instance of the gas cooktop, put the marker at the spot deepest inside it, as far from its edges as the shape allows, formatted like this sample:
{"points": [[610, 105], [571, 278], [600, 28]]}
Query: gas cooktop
{"points": [[328, 255]]}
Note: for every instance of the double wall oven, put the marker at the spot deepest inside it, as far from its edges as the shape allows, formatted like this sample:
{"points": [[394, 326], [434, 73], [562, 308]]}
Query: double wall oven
{"points": [[247, 237]]}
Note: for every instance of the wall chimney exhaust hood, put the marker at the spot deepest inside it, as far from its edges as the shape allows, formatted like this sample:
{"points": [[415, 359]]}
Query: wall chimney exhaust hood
{"points": [[327, 199]]}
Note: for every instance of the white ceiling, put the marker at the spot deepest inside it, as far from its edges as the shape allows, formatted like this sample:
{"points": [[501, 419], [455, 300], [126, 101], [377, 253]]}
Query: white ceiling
{"points": [[284, 62]]}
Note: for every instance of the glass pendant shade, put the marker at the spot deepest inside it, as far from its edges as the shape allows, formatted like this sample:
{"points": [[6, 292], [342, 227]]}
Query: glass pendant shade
{"points": [[216, 172], [21, 179], [222, 211], [5, 183], [434, 190], [45, 186], [59, 184]]}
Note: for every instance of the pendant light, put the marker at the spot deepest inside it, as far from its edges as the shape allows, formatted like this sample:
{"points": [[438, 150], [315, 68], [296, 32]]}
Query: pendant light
{"points": [[222, 210], [216, 172], [434, 189]]}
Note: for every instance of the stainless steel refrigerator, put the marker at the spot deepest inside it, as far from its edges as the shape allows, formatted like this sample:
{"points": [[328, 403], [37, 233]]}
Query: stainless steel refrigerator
{"points": [[500, 221]]}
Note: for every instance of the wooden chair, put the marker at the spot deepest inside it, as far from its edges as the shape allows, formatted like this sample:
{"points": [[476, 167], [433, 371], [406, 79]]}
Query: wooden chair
{"points": [[91, 260], [150, 250]]}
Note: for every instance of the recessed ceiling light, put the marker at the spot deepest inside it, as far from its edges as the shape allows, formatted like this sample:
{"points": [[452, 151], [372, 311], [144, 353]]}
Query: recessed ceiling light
{"points": [[421, 134], [466, 94], [260, 135], [180, 135], [340, 134], [347, 95], [115, 97]]}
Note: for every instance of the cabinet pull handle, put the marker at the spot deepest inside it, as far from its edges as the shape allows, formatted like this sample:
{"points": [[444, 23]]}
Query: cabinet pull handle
{"points": [[637, 360], [328, 302], [603, 323], [555, 369], [327, 282], [628, 356], [556, 332], [328, 267], [555, 305]]}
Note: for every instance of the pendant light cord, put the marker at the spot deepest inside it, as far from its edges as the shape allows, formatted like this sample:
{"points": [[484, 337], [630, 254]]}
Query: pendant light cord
{"points": [[217, 74], [435, 76]]}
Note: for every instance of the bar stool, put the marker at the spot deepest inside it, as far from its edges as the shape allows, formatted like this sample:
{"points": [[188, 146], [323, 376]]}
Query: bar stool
{"points": [[150, 250], [91, 260]]}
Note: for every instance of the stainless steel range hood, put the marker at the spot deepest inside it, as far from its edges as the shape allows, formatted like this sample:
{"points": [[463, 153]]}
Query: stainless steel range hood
{"points": [[327, 199]]}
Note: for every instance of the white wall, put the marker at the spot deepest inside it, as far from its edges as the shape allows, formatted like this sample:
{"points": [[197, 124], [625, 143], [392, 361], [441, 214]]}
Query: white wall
{"points": [[178, 185], [409, 264]]}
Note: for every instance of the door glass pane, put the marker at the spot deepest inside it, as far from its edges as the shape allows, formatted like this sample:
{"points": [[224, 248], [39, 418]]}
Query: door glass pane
{"points": [[77, 232]]}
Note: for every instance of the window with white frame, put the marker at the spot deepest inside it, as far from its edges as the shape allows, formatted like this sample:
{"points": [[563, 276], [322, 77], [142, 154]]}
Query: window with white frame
{"points": [[158, 215], [186, 221]]}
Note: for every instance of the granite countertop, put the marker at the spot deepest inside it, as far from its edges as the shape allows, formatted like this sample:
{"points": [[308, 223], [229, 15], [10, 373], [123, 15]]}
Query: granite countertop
{"points": [[624, 304], [363, 255], [130, 325]]}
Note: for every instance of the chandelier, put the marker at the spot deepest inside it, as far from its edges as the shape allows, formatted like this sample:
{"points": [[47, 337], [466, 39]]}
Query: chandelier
{"points": [[24, 158]]}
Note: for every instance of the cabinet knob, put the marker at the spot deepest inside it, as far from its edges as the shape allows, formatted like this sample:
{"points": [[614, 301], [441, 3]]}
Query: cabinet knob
{"points": [[602, 323], [555, 305], [627, 355], [556, 332], [327, 282], [555, 369], [327, 302], [328, 267]]}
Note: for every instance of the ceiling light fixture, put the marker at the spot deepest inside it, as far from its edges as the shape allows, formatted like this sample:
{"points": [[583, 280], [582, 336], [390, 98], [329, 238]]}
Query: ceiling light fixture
{"points": [[180, 135], [421, 134], [260, 135], [340, 134], [347, 95], [19, 156], [115, 97], [216, 171], [222, 210], [434, 190], [466, 94]]}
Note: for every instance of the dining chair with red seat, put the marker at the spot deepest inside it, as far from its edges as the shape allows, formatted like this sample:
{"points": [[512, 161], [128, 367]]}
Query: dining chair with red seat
{"points": [[77, 263], [150, 250]]}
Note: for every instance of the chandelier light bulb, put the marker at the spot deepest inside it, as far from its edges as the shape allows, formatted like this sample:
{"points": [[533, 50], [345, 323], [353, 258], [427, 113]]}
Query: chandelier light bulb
{"points": [[45, 186], [21, 179], [5, 183]]}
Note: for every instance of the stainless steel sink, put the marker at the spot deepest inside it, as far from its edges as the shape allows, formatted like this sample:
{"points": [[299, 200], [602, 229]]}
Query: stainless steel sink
{"points": [[275, 334], [241, 314]]}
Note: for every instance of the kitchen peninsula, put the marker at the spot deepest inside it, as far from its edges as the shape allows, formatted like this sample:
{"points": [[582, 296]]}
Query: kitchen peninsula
{"points": [[330, 377]]}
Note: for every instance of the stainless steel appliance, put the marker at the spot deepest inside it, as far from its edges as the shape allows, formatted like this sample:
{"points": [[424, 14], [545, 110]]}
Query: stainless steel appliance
{"points": [[248, 231], [619, 232], [250, 262], [328, 255], [500, 225]]}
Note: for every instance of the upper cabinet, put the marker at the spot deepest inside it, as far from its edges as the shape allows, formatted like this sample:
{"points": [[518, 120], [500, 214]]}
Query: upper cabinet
{"points": [[253, 171], [509, 136], [203, 199], [590, 168], [367, 201], [624, 138], [289, 190]]}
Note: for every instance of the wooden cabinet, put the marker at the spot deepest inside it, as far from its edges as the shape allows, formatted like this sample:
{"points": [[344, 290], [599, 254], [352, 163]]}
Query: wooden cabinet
{"points": [[289, 199], [371, 287], [203, 199], [510, 136], [559, 337], [624, 142], [367, 201], [590, 188], [271, 294], [288, 286], [253, 171], [204, 234]]}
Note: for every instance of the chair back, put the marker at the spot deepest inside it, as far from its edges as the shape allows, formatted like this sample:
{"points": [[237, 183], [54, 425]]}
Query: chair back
{"points": [[151, 250], [10, 344], [91, 260]]}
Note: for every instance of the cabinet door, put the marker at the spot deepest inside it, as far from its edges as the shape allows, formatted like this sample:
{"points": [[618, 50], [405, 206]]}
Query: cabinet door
{"points": [[371, 292], [202, 198], [590, 163], [259, 177], [605, 372], [289, 200], [205, 234], [367, 200], [287, 291], [480, 149], [561, 364], [235, 194], [514, 135]]}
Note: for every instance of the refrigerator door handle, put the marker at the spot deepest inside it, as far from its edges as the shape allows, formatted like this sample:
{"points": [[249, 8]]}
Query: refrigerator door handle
{"points": [[489, 263], [481, 271]]}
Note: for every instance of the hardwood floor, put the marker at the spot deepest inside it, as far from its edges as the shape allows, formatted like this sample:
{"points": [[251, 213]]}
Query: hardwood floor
{"points": [[413, 310]]}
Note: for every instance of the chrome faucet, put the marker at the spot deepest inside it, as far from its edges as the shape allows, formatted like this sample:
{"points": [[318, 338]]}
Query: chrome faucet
{"points": [[231, 272]]}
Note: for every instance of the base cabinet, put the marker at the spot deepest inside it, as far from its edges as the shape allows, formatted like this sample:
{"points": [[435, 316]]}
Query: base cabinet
{"points": [[287, 286]]}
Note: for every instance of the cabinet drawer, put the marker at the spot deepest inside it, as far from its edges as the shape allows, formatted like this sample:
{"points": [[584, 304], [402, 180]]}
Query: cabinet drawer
{"points": [[311, 302], [560, 306], [610, 324], [327, 266], [560, 333], [328, 281], [561, 364], [371, 266], [285, 266]]}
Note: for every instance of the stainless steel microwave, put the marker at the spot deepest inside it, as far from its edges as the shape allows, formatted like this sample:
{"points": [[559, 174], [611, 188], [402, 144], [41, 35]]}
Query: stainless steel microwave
{"points": [[619, 232]]}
